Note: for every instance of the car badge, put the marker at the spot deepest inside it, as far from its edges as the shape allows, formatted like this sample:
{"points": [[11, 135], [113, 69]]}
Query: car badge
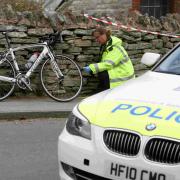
{"points": [[150, 127]]}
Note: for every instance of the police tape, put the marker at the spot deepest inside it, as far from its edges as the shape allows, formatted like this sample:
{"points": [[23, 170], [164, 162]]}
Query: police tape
{"points": [[129, 28]]}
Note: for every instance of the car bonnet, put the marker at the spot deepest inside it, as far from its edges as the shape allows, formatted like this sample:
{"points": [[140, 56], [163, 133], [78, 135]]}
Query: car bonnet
{"points": [[149, 105]]}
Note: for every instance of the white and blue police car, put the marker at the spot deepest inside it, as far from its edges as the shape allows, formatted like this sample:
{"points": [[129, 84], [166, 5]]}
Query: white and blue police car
{"points": [[131, 132]]}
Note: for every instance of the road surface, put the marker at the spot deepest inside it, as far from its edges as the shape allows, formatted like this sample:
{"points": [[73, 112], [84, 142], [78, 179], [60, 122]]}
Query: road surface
{"points": [[28, 149]]}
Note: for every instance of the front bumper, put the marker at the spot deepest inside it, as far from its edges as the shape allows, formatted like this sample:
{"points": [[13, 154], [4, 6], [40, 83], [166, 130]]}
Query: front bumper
{"points": [[91, 159]]}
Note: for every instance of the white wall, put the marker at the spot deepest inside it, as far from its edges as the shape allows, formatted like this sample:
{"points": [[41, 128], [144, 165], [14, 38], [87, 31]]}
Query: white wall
{"points": [[102, 6], [87, 5]]}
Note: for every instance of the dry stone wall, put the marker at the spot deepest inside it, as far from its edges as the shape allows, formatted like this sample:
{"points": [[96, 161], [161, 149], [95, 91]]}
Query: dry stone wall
{"points": [[80, 46]]}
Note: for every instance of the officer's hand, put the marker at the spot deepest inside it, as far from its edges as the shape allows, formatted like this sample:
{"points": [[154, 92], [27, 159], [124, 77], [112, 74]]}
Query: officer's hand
{"points": [[87, 69]]}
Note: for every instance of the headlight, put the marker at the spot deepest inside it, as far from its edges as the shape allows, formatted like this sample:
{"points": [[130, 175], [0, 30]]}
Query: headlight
{"points": [[78, 127]]}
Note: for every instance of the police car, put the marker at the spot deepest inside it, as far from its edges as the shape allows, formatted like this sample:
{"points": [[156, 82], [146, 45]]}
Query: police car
{"points": [[131, 132]]}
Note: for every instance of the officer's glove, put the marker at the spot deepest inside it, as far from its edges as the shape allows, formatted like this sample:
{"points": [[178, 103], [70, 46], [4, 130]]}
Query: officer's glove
{"points": [[87, 69]]}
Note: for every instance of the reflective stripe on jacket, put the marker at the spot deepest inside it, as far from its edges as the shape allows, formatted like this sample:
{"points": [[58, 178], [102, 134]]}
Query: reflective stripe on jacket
{"points": [[116, 61]]}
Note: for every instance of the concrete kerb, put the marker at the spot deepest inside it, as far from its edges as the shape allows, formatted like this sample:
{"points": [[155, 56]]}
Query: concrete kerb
{"points": [[29, 108], [33, 115]]}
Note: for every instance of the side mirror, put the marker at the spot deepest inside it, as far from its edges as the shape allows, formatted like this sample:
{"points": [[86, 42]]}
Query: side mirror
{"points": [[149, 59]]}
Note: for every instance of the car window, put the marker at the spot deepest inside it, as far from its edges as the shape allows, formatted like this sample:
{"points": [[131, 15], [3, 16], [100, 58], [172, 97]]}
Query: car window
{"points": [[171, 64]]}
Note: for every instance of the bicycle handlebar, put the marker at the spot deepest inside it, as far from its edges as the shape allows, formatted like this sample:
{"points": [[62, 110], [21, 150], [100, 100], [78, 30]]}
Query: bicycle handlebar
{"points": [[52, 38]]}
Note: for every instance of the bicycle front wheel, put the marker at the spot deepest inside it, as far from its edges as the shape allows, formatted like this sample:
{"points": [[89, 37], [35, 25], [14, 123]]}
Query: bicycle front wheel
{"points": [[66, 87], [6, 70]]}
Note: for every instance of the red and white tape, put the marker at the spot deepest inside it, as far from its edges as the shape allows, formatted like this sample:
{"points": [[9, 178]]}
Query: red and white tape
{"points": [[129, 28]]}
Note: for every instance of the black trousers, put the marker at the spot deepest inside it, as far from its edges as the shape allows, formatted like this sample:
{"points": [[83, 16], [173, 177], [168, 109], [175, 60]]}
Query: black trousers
{"points": [[103, 81]]}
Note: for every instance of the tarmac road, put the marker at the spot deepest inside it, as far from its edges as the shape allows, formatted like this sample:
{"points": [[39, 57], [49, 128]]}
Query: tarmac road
{"points": [[28, 149]]}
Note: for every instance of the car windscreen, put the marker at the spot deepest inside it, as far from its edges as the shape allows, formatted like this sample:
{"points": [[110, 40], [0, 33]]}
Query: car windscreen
{"points": [[171, 64]]}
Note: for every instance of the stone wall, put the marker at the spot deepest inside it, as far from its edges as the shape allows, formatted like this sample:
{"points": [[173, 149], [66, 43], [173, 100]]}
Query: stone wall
{"points": [[79, 45]]}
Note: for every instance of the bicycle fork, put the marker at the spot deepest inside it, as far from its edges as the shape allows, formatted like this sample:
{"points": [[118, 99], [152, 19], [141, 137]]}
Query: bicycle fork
{"points": [[56, 69]]}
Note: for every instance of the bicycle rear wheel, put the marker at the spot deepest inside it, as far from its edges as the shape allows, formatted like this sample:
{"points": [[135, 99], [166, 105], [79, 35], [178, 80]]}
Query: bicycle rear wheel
{"points": [[6, 70], [64, 88]]}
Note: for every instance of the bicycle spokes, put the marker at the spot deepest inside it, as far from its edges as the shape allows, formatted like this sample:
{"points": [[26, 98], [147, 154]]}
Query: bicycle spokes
{"points": [[65, 86]]}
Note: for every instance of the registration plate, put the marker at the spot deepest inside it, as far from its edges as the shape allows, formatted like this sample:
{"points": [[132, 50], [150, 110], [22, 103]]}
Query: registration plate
{"points": [[118, 171]]}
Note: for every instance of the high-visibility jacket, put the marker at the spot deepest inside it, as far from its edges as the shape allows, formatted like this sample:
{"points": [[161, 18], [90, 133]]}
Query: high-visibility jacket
{"points": [[114, 60]]}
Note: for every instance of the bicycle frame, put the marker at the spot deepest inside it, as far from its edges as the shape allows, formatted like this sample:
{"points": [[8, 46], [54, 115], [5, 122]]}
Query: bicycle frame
{"points": [[45, 52], [60, 76]]}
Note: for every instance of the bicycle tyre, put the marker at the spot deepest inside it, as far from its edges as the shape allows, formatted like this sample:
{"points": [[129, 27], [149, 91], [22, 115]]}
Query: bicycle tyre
{"points": [[6, 88], [66, 89]]}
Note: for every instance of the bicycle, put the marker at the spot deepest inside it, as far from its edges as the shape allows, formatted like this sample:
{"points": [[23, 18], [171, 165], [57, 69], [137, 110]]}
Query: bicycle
{"points": [[60, 76]]}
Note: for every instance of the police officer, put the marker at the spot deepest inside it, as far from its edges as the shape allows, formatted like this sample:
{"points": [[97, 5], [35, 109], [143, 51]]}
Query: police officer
{"points": [[115, 66]]}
